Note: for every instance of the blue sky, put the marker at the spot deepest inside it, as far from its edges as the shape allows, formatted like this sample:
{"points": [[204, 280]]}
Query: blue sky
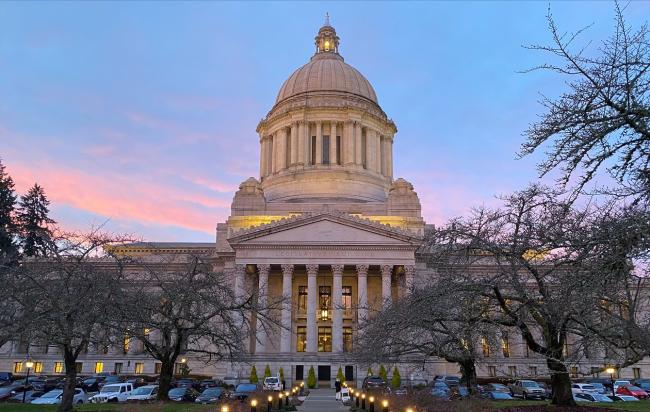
{"points": [[143, 114]]}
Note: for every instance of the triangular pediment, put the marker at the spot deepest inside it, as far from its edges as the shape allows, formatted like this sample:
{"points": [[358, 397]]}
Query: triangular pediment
{"points": [[325, 229]]}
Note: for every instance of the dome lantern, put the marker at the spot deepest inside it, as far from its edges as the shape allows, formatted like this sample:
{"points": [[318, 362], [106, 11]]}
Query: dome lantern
{"points": [[327, 41]]}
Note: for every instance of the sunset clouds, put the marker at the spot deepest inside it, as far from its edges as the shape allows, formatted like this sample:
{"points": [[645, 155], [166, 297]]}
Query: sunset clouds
{"points": [[144, 114]]}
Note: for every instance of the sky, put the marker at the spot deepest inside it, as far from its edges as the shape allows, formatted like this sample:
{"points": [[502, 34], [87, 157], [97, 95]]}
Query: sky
{"points": [[141, 115]]}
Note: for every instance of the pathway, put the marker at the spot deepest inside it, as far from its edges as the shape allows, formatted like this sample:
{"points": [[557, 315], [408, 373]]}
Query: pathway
{"points": [[322, 400]]}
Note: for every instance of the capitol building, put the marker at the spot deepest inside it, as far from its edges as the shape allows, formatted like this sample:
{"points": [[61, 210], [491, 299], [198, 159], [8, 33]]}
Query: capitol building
{"points": [[327, 225]]}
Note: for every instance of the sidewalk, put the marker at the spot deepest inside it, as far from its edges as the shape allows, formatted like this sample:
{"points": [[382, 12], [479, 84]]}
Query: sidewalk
{"points": [[322, 400]]}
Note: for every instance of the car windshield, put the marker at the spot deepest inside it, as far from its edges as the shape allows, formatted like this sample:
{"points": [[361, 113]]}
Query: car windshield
{"points": [[633, 388], [588, 387], [628, 398], [212, 392], [529, 384], [110, 388], [440, 385], [500, 395], [177, 392], [142, 391], [271, 380], [597, 385], [52, 394], [601, 398], [246, 387], [89, 381]]}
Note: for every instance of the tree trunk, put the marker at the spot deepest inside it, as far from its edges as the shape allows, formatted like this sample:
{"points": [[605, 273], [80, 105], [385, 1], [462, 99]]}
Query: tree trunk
{"points": [[468, 372], [70, 380], [560, 383], [165, 379]]}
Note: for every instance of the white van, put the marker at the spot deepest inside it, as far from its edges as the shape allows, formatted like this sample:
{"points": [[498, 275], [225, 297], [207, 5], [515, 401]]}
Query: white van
{"points": [[272, 383], [115, 392]]}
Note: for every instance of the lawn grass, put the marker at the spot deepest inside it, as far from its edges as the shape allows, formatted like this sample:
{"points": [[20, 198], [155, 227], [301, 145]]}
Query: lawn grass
{"points": [[641, 406], [166, 407]]}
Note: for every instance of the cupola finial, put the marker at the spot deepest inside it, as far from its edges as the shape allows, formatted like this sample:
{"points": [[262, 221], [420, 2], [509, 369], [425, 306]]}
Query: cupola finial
{"points": [[327, 40], [327, 19]]}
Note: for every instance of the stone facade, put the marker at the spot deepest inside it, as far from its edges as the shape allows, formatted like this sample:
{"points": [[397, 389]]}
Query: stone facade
{"points": [[327, 226]]}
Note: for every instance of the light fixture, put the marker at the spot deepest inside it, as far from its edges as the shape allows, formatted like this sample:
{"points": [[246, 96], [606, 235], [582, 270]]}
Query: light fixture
{"points": [[224, 408], [327, 45], [183, 360], [270, 398], [29, 364], [610, 371]]}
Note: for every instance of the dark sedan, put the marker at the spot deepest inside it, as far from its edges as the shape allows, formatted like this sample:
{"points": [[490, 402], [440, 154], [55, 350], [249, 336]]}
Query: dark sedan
{"points": [[210, 395], [183, 395], [244, 390]]}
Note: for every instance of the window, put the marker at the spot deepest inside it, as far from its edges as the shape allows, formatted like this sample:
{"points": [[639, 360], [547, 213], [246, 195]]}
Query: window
{"points": [[532, 370], [325, 298], [139, 368], [126, 344], [527, 349], [347, 339], [301, 339], [302, 299], [58, 367], [324, 339], [574, 371], [338, 151], [492, 371], [117, 368], [364, 150], [157, 367], [505, 345], [99, 367], [326, 150], [78, 366], [512, 371], [637, 373], [18, 367], [38, 367], [486, 347], [347, 300], [595, 371], [313, 150], [146, 333], [565, 349]]}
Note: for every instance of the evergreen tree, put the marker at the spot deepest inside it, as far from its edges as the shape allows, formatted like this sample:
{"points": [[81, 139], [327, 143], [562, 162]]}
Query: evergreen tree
{"points": [[340, 376], [267, 371], [397, 378], [8, 250], [34, 222], [311, 378], [369, 371], [253, 377], [281, 372], [383, 373]]}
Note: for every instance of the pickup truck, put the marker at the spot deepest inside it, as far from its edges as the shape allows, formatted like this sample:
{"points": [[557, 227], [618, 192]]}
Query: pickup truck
{"points": [[527, 390]]}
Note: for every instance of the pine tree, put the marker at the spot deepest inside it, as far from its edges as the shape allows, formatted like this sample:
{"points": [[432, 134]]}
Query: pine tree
{"points": [[281, 372], [311, 378], [340, 376], [253, 377], [369, 371], [34, 222], [267, 371], [397, 378], [8, 228], [383, 373]]}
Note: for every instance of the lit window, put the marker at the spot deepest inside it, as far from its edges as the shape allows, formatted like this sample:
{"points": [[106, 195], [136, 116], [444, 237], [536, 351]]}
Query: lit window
{"points": [[486, 347], [327, 45], [347, 339], [139, 368], [58, 367], [18, 367], [347, 300], [574, 371], [99, 367], [325, 298], [324, 339], [505, 345], [126, 343], [146, 333], [301, 339], [38, 367], [302, 299]]}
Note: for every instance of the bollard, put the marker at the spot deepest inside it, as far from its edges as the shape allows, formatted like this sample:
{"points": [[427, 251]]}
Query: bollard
{"points": [[363, 401], [269, 403], [384, 405], [357, 400], [372, 403], [254, 405], [225, 408]]}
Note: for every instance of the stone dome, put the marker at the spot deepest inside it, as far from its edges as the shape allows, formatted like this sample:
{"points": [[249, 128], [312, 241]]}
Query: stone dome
{"points": [[326, 72]]}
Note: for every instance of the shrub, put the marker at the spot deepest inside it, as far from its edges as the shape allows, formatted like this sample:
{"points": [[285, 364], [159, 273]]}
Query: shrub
{"points": [[369, 371], [383, 374], [281, 374], [253, 378], [340, 376], [311, 378], [397, 379], [267, 371]]}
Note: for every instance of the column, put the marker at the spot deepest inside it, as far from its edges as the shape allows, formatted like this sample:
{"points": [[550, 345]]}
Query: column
{"points": [[348, 143], [262, 157], [337, 308], [333, 159], [307, 144], [377, 147], [358, 159], [262, 300], [301, 142], [312, 302], [409, 275], [294, 143], [390, 156], [282, 149], [371, 152], [384, 158], [362, 293], [240, 273], [285, 332], [386, 272], [319, 143]]}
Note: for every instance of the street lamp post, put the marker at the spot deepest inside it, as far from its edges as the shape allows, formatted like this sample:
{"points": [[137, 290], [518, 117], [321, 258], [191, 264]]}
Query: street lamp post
{"points": [[29, 365], [254, 405], [611, 372]]}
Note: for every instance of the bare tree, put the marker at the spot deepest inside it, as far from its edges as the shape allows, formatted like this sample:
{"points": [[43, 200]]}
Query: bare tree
{"points": [[69, 295], [538, 264], [603, 120], [177, 305], [432, 321]]}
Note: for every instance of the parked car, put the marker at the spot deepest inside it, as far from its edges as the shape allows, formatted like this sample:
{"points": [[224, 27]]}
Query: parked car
{"points": [[374, 383], [496, 387], [548, 391], [632, 390], [583, 388], [600, 388], [187, 383], [209, 383], [272, 383], [143, 393], [618, 383], [527, 389], [116, 392], [401, 391], [345, 397], [593, 397], [498, 396], [210, 395], [623, 398], [440, 390], [579, 399], [6, 377], [8, 391], [186, 394], [233, 381], [54, 397], [45, 384], [642, 383], [137, 382], [448, 379], [108, 380], [243, 391], [92, 384], [29, 396], [79, 383]]}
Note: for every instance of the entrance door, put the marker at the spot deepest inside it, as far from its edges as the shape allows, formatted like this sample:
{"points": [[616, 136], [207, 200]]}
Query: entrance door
{"points": [[324, 373], [300, 370], [349, 373]]}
